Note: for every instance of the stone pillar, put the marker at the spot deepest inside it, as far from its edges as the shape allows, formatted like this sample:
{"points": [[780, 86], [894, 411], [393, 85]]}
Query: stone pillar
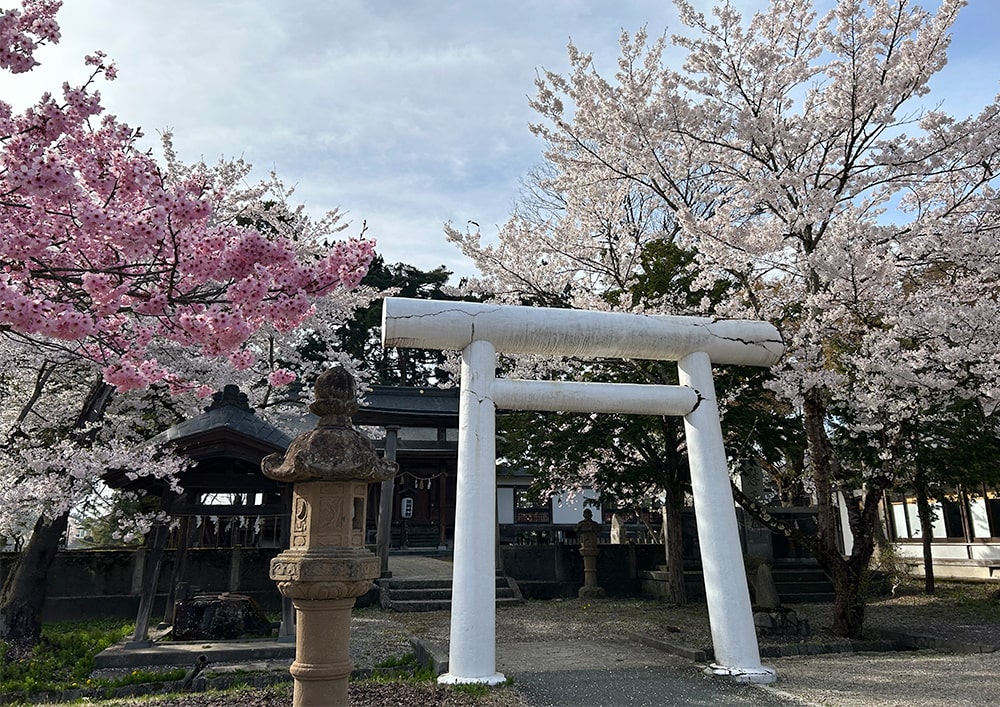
{"points": [[618, 533], [586, 530], [326, 565]]}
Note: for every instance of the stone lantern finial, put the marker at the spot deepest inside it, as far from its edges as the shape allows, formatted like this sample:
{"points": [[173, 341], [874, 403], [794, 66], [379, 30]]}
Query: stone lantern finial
{"points": [[336, 394]]}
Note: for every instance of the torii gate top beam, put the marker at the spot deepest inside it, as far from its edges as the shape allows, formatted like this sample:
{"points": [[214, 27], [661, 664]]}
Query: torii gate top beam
{"points": [[430, 324]]}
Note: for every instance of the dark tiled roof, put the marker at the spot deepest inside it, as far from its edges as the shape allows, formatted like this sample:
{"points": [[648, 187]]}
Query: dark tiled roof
{"points": [[229, 411], [409, 407]]}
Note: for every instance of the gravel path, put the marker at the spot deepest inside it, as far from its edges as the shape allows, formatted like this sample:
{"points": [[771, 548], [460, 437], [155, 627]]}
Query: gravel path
{"points": [[541, 643]]}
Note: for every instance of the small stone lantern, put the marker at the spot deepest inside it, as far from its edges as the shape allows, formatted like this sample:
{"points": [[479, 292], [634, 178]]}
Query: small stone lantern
{"points": [[326, 565], [586, 530]]}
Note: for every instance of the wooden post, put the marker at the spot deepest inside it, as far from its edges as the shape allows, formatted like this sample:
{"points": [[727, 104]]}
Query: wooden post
{"points": [[150, 578], [177, 573], [384, 533]]}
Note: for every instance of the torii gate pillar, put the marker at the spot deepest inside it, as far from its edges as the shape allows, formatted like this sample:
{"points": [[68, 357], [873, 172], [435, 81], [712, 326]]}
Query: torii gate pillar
{"points": [[479, 331]]}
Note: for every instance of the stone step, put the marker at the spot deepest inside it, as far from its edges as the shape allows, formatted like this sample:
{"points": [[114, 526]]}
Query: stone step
{"points": [[433, 594], [423, 583], [794, 584], [408, 593], [412, 594], [806, 598], [799, 575], [407, 605], [404, 605], [804, 587]]}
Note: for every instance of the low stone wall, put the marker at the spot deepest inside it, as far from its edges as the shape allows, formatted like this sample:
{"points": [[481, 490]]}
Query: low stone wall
{"points": [[106, 583], [656, 583], [552, 571]]}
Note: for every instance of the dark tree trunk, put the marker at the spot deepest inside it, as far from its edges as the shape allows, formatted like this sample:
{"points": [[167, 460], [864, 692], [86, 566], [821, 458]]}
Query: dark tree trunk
{"points": [[25, 590], [926, 532], [26, 587], [848, 574], [849, 600], [674, 551]]}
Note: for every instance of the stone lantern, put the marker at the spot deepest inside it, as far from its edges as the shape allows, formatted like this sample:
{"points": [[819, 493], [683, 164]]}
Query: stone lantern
{"points": [[586, 530], [326, 565]]}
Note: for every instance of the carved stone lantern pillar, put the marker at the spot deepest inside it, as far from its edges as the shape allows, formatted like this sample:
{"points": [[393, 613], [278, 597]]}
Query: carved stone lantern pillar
{"points": [[586, 530], [326, 565]]}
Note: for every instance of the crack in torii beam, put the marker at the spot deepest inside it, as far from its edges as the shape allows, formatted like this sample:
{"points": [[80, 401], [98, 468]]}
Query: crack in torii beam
{"points": [[479, 331]]}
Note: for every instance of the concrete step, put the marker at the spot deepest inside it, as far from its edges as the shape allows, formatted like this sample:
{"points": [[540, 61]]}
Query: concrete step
{"points": [[408, 593], [426, 594], [403, 605]]}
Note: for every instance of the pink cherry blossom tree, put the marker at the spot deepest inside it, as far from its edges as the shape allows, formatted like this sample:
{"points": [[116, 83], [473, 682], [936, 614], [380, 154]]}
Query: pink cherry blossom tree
{"points": [[155, 275], [802, 159]]}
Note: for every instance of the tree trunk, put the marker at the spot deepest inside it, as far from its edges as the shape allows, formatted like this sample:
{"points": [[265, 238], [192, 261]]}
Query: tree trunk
{"points": [[926, 517], [27, 586], [674, 551], [850, 575], [849, 600]]}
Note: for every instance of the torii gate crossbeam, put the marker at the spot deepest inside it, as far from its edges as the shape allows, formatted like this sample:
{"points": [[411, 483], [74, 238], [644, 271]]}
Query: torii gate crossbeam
{"points": [[479, 331]]}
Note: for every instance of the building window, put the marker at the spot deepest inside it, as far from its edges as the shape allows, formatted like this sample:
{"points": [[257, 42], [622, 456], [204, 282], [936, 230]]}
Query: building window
{"points": [[947, 518], [984, 514], [530, 509]]}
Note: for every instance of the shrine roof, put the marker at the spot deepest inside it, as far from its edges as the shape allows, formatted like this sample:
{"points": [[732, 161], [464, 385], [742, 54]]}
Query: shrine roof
{"points": [[229, 413], [385, 406]]}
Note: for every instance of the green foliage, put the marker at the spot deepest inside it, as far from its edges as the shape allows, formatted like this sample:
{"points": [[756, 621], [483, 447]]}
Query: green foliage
{"points": [[64, 659], [474, 689], [889, 571], [408, 660], [403, 668], [360, 336]]}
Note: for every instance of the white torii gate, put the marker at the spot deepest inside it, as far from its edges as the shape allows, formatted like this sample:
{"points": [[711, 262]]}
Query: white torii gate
{"points": [[479, 331]]}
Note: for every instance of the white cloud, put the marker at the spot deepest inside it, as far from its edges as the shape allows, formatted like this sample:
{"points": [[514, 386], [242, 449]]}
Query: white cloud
{"points": [[406, 114]]}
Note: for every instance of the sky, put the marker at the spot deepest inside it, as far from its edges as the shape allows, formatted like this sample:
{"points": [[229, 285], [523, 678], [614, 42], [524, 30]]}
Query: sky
{"points": [[406, 114]]}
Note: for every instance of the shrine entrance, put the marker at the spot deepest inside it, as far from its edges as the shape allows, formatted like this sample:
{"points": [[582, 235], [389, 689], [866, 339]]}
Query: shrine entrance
{"points": [[421, 435], [480, 332]]}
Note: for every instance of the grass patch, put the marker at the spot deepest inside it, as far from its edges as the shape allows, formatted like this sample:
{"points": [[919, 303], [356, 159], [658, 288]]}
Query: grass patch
{"points": [[403, 668], [408, 660], [473, 689], [64, 658], [969, 599]]}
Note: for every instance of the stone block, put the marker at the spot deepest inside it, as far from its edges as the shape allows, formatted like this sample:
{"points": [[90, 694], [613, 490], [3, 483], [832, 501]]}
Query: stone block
{"points": [[220, 617]]}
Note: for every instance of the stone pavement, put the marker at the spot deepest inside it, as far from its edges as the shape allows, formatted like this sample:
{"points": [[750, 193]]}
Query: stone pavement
{"points": [[619, 675], [622, 675], [414, 566]]}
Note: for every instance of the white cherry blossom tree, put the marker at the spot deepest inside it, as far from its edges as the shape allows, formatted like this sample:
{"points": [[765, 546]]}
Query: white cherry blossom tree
{"points": [[803, 160]]}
